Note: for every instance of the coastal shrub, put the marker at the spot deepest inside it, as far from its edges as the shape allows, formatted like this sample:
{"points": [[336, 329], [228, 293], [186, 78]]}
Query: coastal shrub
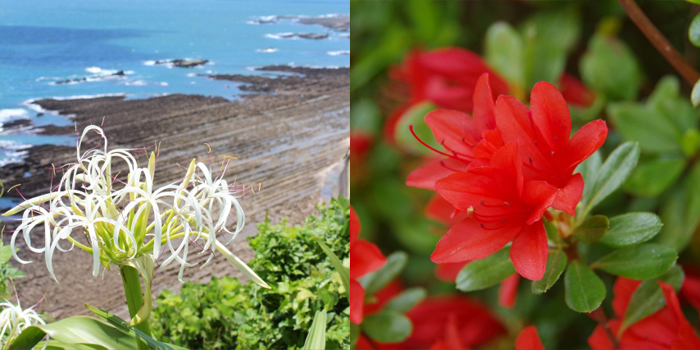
{"points": [[226, 314]]}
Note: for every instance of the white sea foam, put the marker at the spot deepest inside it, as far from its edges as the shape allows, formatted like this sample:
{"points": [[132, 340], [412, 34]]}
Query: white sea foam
{"points": [[269, 49], [135, 83], [163, 84], [100, 71], [337, 53], [279, 36], [13, 113], [191, 74]]}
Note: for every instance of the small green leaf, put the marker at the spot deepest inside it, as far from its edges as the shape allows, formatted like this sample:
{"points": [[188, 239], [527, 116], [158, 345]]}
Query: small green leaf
{"points": [[376, 280], [584, 290], [649, 298], [610, 68], [415, 116], [636, 122], [5, 254], [611, 175], [694, 31], [690, 142], [486, 272], [504, 51], [589, 170], [387, 327], [695, 94], [338, 265], [406, 300], [593, 229], [680, 211], [632, 228], [638, 262], [653, 177], [316, 339], [556, 263]]}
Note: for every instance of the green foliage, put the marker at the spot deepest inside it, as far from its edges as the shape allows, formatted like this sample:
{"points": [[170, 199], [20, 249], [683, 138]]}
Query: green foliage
{"points": [[585, 291], [556, 263], [640, 262], [610, 68], [7, 271], [227, 314], [486, 272], [387, 326], [377, 280], [632, 228], [593, 229]]}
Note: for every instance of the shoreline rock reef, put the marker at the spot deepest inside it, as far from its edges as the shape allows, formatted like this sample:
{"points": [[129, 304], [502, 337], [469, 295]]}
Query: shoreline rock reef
{"points": [[289, 135]]}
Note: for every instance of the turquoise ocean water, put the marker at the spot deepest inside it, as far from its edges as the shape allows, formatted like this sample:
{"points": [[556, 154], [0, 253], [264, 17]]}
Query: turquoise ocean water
{"points": [[46, 41]]}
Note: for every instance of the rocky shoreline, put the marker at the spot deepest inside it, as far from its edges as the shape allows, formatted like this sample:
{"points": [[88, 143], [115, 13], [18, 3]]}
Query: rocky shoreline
{"points": [[288, 135]]}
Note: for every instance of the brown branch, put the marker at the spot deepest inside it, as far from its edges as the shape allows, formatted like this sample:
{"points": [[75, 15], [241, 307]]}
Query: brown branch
{"points": [[660, 42]]}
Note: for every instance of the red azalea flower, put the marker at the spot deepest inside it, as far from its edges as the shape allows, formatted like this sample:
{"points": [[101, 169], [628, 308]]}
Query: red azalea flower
{"points": [[446, 76], [575, 92], [458, 133], [503, 207], [365, 257], [545, 148], [528, 339], [508, 291], [667, 329], [691, 286]]}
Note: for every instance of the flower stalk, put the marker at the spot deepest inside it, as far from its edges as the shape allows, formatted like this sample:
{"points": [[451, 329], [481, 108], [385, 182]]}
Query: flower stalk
{"points": [[134, 299]]}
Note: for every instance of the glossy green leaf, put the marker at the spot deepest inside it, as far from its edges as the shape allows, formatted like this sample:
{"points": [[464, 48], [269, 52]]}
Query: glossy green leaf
{"points": [[638, 262], [77, 330], [556, 263], [632, 228], [695, 94], [690, 142], [649, 298], [680, 212], [593, 229], [694, 31], [415, 116], [609, 67], [653, 177], [636, 122], [316, 339], [504, 51], [377, 280], [611, 175], [584, 290], [406, 300], [669, 102], [338, 265], [486, 272], [589, 170], [387, 327]]}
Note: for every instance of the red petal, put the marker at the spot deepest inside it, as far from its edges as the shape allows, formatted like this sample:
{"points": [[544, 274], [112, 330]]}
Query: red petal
{"points": [[675, 306], [691, 289], [508, 291], [490, 142], [506, 161], [426, 175], [357, 300], [365, 257], [529, 340], [443, 212], [468, 241], [568, 197], [551, 115], [599, 340], [529, 252], [575, 92], [354, 225], [453, 61], [484, 114], [455, 130], [623, 290], [540, 195], [585, 142]]}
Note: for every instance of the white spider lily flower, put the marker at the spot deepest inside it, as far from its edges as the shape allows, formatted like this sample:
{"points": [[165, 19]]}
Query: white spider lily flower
{"points": [[122, 221], [14, 319]]}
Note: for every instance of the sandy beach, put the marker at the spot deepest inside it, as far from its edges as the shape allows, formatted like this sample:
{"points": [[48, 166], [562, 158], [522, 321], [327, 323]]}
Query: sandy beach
{"points": [[289, 132]]}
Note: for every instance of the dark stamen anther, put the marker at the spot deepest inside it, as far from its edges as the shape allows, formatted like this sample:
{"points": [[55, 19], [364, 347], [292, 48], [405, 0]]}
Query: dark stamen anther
{"points": [[530, 158], [535, 143]]}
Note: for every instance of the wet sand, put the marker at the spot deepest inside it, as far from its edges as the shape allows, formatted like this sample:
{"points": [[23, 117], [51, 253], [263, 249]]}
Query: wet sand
{"points": [[290, 134]]}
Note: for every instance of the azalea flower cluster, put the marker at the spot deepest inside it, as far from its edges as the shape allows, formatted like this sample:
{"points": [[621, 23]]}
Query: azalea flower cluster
{"points": [[502, 169], [125, 222]]}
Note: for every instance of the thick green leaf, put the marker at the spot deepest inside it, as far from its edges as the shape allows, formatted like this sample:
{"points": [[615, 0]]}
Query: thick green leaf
{"points": [[639, 262], [5, 253], [609, 67], [690, 142], [77, 330], [680, 212], [694, 31], [484, 273], [668, 101], [611, 175], [632, 228], [593, 229], [406, 300], [387, 327], [589, 171], [316, 339], [376, 280], [556, 263], [653, 177], [695, 94], [342, 270], [415, 116], [504, 51], [649, 298], [584, 290], [636, 122]]}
